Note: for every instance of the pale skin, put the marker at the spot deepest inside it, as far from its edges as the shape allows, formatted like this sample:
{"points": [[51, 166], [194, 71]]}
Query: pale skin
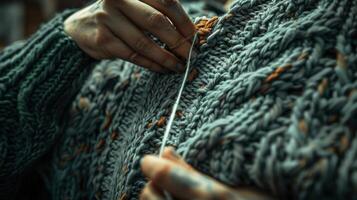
{"points": [[111, 29], [181, 181]]}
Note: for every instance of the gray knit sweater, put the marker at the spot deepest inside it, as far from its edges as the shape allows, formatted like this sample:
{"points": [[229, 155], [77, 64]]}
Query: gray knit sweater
{"points": [[273, 106]]}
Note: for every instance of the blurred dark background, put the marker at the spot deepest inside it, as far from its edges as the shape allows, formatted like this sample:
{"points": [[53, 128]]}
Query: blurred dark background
{"points": [[21, 18]]}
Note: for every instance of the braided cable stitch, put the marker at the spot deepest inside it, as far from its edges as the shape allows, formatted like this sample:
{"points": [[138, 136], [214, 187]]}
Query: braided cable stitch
{"points": [[272, 103]]}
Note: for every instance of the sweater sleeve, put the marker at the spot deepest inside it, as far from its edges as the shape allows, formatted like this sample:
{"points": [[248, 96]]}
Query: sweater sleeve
{"points": [[38, 80]]}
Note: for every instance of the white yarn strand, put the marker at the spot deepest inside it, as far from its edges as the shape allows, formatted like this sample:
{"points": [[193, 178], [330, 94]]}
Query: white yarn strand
{"points": [[174, 108]]}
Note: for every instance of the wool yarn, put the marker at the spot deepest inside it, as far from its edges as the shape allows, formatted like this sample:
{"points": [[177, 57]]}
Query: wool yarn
{"points": [[272, 104]]}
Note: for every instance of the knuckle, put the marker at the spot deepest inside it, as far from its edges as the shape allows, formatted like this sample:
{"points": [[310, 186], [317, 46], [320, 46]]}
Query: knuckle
{"points": [[133, 57], [142, 45], [156, 20], [177, 43], [161, 174], [167, 60], [101, 16], [101, 37]]}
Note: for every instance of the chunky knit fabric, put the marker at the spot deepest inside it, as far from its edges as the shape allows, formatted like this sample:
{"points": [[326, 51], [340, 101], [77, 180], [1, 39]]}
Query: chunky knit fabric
{"points": [[273, 105], [38, 79]]}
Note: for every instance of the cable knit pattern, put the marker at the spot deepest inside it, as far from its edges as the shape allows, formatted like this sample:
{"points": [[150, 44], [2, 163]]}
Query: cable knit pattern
{"points": [[274, 106], [39, 79]]}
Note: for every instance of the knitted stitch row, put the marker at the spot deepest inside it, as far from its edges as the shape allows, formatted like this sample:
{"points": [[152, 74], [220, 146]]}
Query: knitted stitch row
{"points": [[273, 105]]}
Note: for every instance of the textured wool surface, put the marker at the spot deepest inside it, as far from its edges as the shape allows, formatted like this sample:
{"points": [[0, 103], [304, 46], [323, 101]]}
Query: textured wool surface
{"points": [[273, 105]]}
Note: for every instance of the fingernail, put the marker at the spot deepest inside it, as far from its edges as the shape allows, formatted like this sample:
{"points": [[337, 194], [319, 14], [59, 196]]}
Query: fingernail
{"points": [[175, 154], [148, 164], [170, 151], [142, 161], [174, 65]]}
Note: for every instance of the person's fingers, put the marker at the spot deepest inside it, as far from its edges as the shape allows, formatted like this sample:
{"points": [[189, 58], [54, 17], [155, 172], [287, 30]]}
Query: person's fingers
{"points": [[181, 182], [150, 193], [140, 43], [170, 154], [150, 19], [120, 50], [112, 47], [146, 63], [175, 12]]}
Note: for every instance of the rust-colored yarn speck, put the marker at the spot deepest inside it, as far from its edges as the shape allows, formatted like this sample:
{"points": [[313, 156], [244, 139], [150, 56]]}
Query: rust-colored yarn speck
{"points": [[204, 27]]}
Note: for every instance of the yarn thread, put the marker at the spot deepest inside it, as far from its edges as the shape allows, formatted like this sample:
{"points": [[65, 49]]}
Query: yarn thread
{"points": [[174, 108], [272, 105]]}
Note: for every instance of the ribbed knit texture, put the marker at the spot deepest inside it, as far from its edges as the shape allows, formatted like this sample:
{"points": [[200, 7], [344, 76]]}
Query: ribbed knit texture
{"points": [[274, 106], [38, 80]]}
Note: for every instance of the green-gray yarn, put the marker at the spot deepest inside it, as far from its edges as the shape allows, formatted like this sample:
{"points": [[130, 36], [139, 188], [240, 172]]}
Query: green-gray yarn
{"points": [[274, 106]]}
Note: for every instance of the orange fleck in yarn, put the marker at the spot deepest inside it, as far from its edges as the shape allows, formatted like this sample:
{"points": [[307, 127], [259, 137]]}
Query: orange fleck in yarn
{"points": [[322, 86], [277, 72], [161, 122], [204, 27], [179, 114], [303, 126], [114, 135], [341, 60], [100, 144], [107, 121], [125, 169], [303, 56], [123, 197], [149, 125], [193, 75], [84, 103], [344, 143]]}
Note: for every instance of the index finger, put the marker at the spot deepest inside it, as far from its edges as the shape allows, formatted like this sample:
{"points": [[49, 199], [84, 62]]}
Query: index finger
{"points": [[177, 15], [182, 183]]}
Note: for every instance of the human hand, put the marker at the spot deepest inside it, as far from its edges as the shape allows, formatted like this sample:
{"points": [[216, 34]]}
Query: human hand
{"points": [[173, 175], [115, 29]]}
